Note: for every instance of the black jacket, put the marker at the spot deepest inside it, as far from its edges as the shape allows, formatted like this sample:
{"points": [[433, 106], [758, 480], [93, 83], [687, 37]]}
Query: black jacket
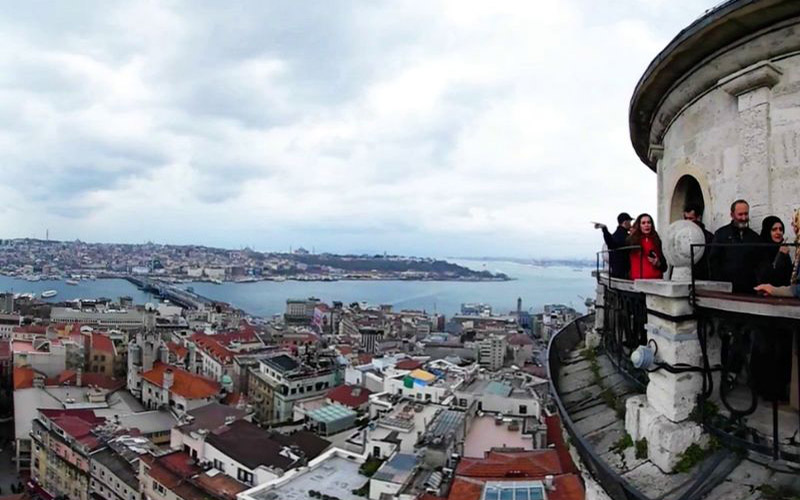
{"points": [[775, 268], [736, 264], [701, 269], [618, 261]]}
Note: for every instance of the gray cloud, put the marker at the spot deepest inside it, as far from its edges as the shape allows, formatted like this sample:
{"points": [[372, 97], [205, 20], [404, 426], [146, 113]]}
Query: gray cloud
{"points": [[427, 128]]}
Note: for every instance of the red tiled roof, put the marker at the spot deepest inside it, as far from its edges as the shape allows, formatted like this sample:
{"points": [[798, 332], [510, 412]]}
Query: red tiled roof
{"points": [[234, 398], [185, 384], [178, 350], [408, 364], [5, 349], [30, 329], [464, 488], [66, 376], [364, 359], [174, 470], [23, 377], [538, 371], [529, 464], [76, 423], [555, 437], [344, 349], [210, 345], [349, 395], [102, 343], [520, 339]]}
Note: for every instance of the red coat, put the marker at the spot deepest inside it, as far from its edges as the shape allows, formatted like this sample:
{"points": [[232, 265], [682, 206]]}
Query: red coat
{"points": [[641, 268]]}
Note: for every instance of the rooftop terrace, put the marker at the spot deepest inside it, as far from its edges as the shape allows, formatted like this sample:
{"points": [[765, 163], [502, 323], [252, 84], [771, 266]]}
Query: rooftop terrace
{"points": [[334, 475]]}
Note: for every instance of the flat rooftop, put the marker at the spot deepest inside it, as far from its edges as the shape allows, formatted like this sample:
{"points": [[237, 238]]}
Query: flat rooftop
{"points": [[335, 476], [485, 434]]}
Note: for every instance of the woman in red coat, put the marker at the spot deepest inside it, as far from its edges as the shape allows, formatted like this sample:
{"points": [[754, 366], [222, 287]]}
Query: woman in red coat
{"points": [[647, 262]]}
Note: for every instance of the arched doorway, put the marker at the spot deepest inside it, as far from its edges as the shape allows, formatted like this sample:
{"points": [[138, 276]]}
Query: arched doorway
{"points": [[687, 192]]}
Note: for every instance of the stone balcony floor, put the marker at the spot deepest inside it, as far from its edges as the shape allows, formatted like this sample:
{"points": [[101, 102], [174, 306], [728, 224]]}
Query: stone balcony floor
{"points": [[724, 475]]}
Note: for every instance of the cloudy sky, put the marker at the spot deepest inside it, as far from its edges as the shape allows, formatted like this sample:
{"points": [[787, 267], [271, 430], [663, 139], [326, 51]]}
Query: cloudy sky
{"points": [[419, 127]]}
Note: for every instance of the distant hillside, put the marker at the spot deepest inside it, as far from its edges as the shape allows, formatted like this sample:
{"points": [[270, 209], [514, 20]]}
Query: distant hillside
{"points": [[394, 264]]}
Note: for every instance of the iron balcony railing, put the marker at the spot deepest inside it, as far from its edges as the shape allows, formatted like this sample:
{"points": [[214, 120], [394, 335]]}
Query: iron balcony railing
{"points": [[755, 370], [624, 319]]}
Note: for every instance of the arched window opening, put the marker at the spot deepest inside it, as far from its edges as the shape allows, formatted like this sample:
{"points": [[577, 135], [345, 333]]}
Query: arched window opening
{"points": [[687, 193]]}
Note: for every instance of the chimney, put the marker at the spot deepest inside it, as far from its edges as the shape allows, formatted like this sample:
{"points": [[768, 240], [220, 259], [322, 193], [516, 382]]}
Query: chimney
{"points": [[168, 378], [79, 377], [356, 391], [548, 482]]}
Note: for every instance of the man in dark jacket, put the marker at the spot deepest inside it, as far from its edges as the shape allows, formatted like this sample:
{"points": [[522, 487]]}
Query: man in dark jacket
{"points": [[694, 213], [618, 260], [736, 264]]}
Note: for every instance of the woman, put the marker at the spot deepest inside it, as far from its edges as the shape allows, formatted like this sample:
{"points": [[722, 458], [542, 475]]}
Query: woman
{"points": [[775, 266], [647, 262], [793, 290], [771, 358]]}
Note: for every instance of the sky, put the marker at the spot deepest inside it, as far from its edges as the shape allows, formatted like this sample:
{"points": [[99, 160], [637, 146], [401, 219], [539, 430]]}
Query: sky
{"points": [[431, 128]]}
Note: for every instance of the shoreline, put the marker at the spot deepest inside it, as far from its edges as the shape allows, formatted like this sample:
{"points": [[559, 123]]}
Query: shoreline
{"points": [[179, 281]]}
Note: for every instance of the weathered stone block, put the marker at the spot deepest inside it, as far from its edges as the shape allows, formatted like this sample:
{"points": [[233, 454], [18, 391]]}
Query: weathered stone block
{"points": [[633, 407], [672, 350], [667, 440], [685, 327], [662, 288], [593, 339], [668, 305], [674, 395]]}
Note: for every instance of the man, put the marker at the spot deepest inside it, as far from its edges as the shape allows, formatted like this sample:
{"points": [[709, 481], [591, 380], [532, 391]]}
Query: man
{"points": [[694, 213], [618, 260], [736, 264]]}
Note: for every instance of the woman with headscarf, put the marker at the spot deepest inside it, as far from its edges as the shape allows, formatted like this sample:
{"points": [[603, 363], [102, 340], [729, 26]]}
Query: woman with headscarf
{"points": [[793, 289], [771, 357], [775, 266]]}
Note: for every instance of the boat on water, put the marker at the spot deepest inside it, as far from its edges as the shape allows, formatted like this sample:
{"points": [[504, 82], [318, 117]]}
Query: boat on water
{"points": [[72, 282], [49, 293]]}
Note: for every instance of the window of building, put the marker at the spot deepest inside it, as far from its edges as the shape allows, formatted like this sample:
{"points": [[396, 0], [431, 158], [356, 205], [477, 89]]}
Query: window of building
{"points": [[523, 409], [159, 487], [219, 465], [245, 476]]}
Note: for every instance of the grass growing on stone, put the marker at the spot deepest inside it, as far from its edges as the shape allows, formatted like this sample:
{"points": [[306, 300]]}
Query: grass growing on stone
{"points": [[622, 444], [708, 410], [641, 449], [695, 454]]}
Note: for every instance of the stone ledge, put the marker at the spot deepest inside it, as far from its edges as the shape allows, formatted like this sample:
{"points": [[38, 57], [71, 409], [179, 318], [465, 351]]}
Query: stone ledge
{"points": [[678, 289], [783, 310], [758, 75]]}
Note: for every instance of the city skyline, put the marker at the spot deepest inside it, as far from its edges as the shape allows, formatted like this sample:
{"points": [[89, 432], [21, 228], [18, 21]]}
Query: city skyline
{"points": [[449, 129]]}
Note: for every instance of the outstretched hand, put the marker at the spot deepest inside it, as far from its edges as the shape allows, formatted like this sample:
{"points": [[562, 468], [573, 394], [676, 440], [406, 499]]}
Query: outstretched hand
{"points": [[599, 225], [765, 289]]}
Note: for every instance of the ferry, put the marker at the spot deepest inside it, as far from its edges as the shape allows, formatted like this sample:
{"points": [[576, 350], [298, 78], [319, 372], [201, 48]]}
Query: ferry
{"points": [[71, 282], [49, 293]]}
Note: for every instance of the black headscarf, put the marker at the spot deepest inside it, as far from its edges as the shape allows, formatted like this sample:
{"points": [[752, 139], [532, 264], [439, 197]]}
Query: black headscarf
{"points": [[766, 234]]}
